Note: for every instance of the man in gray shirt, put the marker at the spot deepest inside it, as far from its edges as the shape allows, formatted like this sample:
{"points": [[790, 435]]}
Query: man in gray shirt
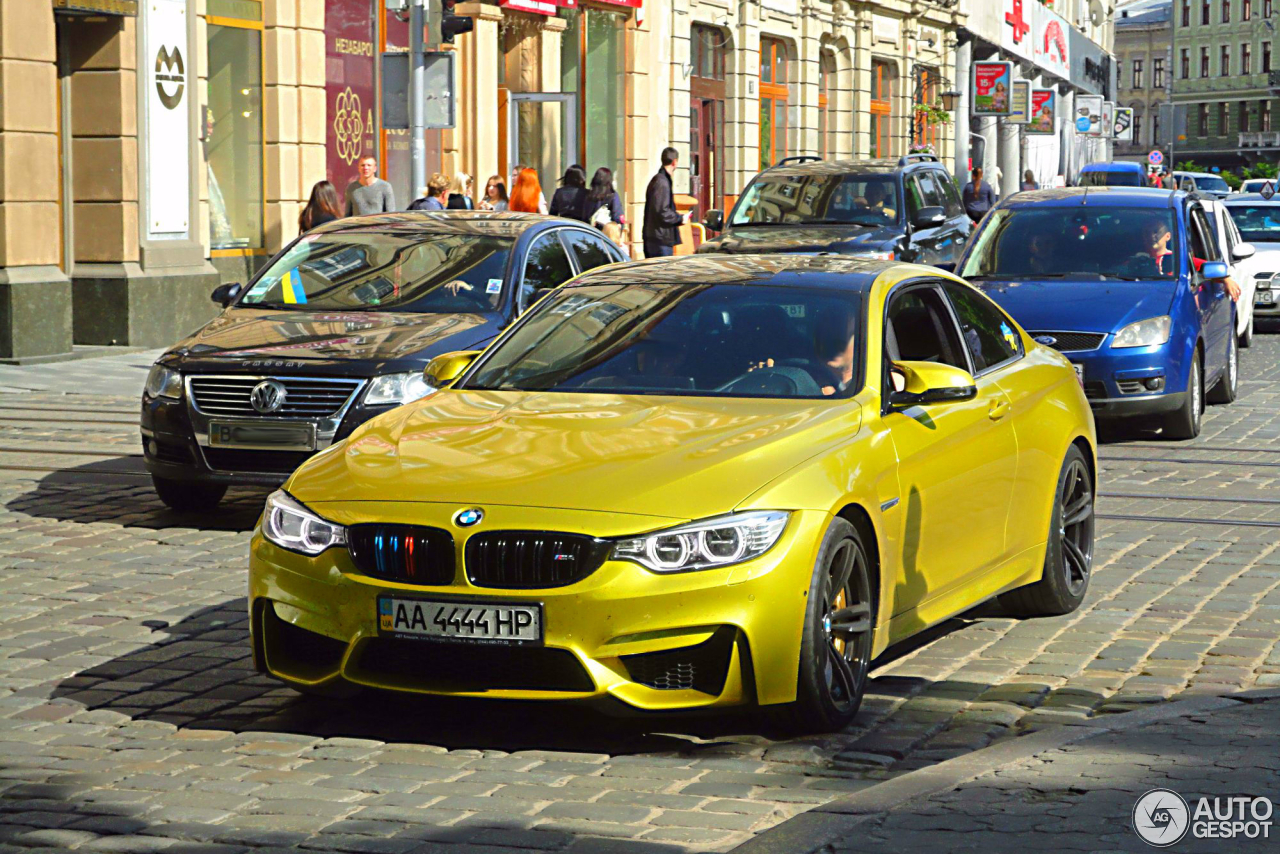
{"points": [[369, 194]]}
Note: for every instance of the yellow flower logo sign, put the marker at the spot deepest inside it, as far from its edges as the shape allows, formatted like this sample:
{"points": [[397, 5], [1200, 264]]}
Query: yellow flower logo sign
{"points": [[348, 127]]}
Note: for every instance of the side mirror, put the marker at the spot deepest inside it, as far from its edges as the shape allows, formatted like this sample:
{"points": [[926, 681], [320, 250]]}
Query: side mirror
{"points": [[224, 295], [930, 217], [1243, 251], [1214, 270], [447, 367], [931, 382], [714, 220], [949, 266]]}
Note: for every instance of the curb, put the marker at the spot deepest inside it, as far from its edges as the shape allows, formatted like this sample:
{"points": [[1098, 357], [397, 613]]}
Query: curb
{"points": [[831, 822]]}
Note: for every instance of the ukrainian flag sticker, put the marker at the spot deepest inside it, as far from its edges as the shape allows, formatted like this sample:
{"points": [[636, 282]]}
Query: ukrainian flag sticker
{"points": [[386, 619], [291, 286]]}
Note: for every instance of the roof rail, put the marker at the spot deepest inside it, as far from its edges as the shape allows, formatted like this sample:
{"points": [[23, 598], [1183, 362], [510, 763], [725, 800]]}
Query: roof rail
{"points": [[921, 156], [799, 158]]}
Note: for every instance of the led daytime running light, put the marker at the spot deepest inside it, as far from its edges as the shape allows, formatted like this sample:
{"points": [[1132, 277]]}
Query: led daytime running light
{"points": [[291, 526], [711, 543]]}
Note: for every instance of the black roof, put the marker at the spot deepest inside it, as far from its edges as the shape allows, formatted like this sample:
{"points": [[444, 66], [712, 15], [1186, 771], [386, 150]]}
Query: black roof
{"points": [[845, 167], [479, 223], [716, 269]]}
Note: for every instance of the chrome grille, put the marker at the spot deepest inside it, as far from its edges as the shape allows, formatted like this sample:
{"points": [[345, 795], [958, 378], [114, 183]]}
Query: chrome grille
{"points": [[304, 397], [1071, 342]]}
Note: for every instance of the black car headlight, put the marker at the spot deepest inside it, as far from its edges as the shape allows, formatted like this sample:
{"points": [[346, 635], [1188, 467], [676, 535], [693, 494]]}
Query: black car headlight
{"points": [[164, 382], [706, 544], [291, 526]]}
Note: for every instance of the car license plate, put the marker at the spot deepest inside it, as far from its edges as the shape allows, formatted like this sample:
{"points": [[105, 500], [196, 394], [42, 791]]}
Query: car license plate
{"points": [[1264, 298], [294, 436], [486, 622]]}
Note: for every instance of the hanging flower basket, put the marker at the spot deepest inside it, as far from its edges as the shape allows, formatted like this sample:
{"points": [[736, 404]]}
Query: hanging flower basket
{"points": [[933, 114]]}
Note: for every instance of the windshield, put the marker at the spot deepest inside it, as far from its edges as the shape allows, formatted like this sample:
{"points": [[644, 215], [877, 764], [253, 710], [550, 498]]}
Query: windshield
{"points": [[1075, 242], [1101, 178], [366, 271], [704, 340], [869, 200], [1257, 223]]}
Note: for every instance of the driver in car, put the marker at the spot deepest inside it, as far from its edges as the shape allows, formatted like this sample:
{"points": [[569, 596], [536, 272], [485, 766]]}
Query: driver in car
{"points": [[1156, 237], [875, 198]]}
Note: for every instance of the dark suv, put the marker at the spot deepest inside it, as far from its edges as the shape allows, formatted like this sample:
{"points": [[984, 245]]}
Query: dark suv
{"points": [[906, 209]]}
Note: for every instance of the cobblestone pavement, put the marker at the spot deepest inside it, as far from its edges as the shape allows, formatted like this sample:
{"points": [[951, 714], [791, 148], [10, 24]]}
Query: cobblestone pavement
{"points": [[131, 720]]}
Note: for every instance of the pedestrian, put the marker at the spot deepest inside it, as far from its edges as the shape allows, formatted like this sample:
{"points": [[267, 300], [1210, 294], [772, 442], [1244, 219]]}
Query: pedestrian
{"points": [[437, 196], [526, 195], [978, 196], [570, 198], [515, 177], [495, 195], [1029, 181], [369, 194], [322, 207], [661, 229], [603, 204], [460, 193]]}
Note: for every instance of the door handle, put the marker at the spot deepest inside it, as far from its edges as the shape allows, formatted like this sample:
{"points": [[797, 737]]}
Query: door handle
{"points": [[999, 409]]}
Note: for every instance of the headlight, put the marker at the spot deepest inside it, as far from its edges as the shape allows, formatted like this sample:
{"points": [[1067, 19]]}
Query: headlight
{"points": [[710, 543], [874, 255], [397, 388], [1144, 333], [164, 382], [291, 526]]}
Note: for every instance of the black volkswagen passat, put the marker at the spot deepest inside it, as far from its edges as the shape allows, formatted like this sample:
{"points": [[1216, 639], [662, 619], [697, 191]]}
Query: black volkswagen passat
{"points": [[337, 329]]}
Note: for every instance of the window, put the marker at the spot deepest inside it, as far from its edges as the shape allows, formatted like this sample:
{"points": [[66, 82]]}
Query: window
{"points": [[860, 198], [989, 335], [1203, 117], [1157, 72], [1185, 64], [773, 101], [1186, 13], [1246, 58], [1204, 62], [1246, 10], [1155, 124], [1137, 74], [1264, 116], [546, 267], [1222, 118], [1204, 12], [920, 329], [1266, 57], [1202, 245], [1242, 116], [708, 47], [826, 123], [1137, 128], [954, 206], [926, 195], [592, 64], [924, 132], [882, 79], [1224, 61], [1266, 8], [234, 147], [589, 250], [1120, 73], [1226, 11]]}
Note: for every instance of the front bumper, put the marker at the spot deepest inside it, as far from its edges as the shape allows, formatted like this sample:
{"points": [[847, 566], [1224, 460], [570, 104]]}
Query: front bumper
{"points": [[618, 633], [1131, 381]]}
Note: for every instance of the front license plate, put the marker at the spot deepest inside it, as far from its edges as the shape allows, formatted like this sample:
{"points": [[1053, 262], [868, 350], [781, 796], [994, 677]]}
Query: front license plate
{"points": [[485, 622], [1079, 371], [1264, 298], [295, 436]]}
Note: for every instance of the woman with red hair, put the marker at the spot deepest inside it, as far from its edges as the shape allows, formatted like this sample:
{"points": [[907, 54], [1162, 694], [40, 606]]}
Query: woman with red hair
{"points": [[526, 195]]}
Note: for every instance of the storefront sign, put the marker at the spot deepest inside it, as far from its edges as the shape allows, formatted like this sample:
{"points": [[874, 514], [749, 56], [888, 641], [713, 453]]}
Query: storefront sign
{"points": [[1020, 112], [1036, 33], [992, 88], [1044, 105], [1090, 65], [349, 90], [1088, 117], [169, 66], [1123, 127], [537, 7]]}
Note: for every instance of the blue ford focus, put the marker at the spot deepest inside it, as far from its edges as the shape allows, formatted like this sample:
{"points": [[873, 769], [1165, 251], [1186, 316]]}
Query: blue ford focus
{"points": [[1128, 284]]}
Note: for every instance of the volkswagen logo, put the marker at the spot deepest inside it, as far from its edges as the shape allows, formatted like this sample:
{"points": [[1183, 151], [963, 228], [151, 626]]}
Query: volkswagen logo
{"points": [[467, 518], [1046, 340], [267, 396]]}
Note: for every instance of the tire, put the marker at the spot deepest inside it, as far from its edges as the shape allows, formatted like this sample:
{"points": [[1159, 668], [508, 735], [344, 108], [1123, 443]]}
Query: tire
{"points": [[188, 496], [1224, 390], [835, 647], [1185, 422], [1246, 337], [1068, 559], [333, 691]]}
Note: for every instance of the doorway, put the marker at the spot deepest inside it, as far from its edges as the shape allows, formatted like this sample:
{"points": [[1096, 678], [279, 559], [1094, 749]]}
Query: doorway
{"points": [[542, 134]]}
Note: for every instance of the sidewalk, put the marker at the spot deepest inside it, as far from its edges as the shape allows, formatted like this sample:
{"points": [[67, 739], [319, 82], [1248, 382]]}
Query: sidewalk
{"points": [[1067, 788]]}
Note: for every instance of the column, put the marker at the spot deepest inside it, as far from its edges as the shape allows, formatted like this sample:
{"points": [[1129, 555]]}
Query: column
{"points": [[283, 108], [312, 107], [808, 50], [478, 61], [862, 84], [1010, 156], [1066, 115], [964, 58], [641, 146]]}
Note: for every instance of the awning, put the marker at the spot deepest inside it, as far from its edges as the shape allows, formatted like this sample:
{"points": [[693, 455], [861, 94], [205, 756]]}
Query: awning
{"points": [[128, 8]]}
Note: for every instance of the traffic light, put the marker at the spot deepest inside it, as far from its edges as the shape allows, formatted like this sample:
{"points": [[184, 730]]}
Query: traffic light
{"points": [[451, 24]]}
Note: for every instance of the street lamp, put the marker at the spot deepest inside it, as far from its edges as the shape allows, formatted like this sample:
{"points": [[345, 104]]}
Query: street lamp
{"points": [[924, 79], [949, 99]]}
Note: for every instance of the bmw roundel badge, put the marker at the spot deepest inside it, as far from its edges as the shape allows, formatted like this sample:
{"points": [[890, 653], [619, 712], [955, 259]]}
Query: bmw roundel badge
{"points": [[467, 518]]}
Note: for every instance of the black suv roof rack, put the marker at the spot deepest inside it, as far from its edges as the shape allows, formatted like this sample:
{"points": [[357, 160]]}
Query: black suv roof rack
{"points": [[798, 158], [919, 156]]}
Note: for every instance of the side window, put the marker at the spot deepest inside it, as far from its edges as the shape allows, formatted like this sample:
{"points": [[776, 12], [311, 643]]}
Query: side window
{"points": [[546, 266], [919, 329], [1202, 245], [930, 193], [915, 197], [588, 250], [950, 193], [990, 337]]}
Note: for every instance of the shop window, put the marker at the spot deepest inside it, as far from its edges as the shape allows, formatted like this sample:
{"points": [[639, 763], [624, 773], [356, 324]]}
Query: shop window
{"points": [[592, 64], [773, 101], [234, 135], [882, 82]]}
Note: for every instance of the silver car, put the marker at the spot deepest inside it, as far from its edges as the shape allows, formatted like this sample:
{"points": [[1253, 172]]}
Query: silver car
{"points": [[1258, 220]]}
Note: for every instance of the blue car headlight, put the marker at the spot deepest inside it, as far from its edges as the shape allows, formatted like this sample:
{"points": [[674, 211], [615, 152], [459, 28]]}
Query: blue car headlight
{"points": [[1145, 333]]}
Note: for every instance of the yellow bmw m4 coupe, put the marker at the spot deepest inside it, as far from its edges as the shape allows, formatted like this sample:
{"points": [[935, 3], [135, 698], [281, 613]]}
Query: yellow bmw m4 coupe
{"points": [[688, 483]]}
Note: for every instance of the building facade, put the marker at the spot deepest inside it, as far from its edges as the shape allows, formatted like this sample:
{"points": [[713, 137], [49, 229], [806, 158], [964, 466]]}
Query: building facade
{"points": [[1224, 104], [1144, 57]]}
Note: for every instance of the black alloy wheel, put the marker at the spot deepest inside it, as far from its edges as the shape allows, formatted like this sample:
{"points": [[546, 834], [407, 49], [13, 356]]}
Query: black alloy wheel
{"points": [[1068, 560], [835, 651]]}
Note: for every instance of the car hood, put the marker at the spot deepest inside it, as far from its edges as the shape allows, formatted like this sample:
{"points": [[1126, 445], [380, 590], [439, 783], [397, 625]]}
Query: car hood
{"points": [[661, 456], [1066, 306], [355, 341], [800, 238]]}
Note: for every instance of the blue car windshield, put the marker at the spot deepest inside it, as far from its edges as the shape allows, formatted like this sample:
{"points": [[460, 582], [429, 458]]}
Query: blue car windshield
{"points": [[1076, 242], [704, 340]]}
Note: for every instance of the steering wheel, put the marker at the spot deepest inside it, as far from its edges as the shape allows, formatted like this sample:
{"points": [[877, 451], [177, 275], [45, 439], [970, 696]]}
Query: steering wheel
{"points": [[778, 381]]}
